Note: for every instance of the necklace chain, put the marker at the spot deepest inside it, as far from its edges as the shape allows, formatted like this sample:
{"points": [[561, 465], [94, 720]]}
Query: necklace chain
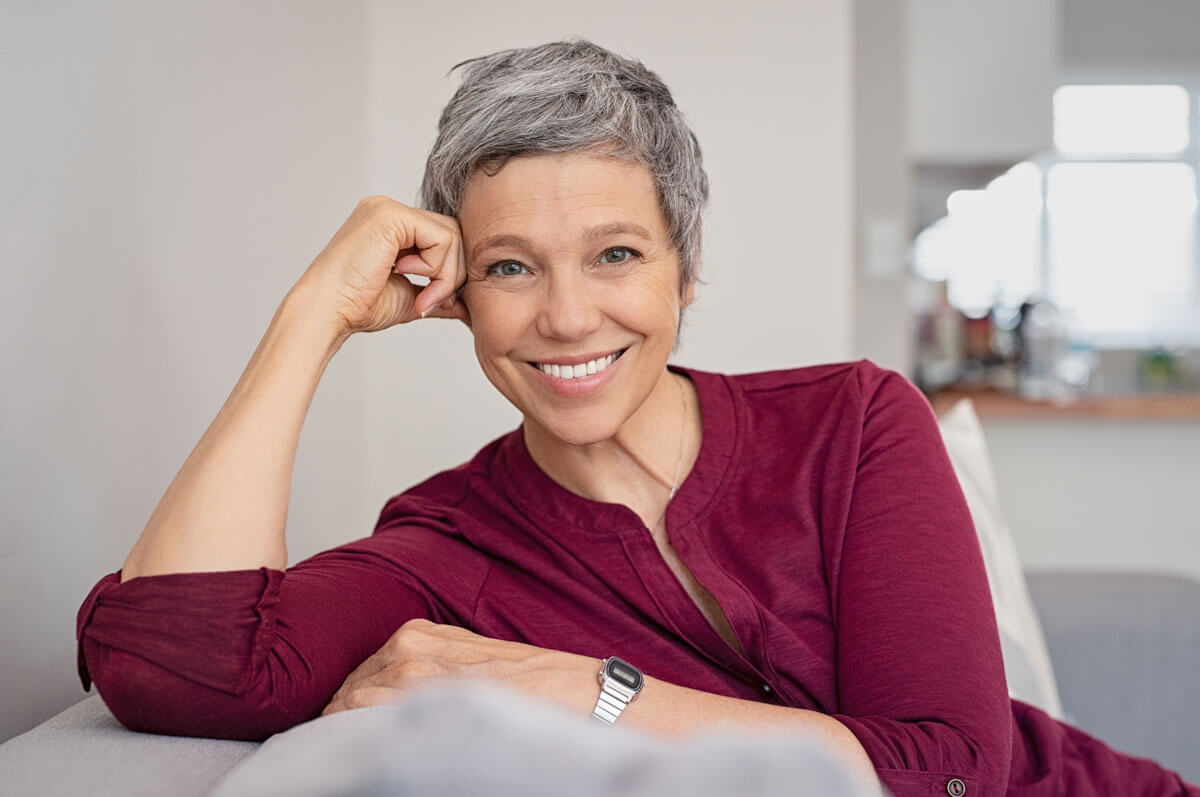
{"points": [[679, 457]]}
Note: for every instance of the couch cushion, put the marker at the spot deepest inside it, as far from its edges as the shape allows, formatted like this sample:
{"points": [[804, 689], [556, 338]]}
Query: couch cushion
{"points": [[1026, 660], [1126, 648]]}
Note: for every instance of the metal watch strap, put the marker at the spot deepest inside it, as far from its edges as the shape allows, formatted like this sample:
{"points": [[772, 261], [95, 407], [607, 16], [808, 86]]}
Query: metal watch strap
{"points": [[614, 696]]}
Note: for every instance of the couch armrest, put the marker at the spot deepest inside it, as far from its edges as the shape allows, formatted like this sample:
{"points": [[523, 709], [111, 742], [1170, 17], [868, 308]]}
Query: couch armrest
{"points": [[84, 750], [1126, 653]]}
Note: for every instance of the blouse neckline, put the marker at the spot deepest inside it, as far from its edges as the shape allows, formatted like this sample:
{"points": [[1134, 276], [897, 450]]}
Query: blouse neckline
{"points": [[565, 512]]}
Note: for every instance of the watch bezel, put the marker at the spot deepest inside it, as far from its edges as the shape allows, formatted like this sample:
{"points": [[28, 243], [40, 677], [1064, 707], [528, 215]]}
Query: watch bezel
{"points": [[611, 671]]}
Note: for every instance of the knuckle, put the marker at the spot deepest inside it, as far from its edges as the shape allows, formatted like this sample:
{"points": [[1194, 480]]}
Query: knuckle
{"points": [[447, 226], [408, 634], [356, 698], [413, 669], [419, 624], [444, 220]]}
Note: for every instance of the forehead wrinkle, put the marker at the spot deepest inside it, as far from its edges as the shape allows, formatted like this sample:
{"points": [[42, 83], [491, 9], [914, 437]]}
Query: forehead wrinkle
{"points": [[550, 205], [594, 232]]}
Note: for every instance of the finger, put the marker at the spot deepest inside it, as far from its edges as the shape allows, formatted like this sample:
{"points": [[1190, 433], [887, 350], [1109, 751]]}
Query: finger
{"points": [[439, 297], [439, 287], [363, 697], [449, 273], [410, 262], [452, 308], [367, 670], [394, 303]]}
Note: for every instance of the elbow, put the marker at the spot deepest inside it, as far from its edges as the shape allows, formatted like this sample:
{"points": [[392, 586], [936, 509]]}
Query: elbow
{"points": [[149, 699], [171, 655], [933, 757]]}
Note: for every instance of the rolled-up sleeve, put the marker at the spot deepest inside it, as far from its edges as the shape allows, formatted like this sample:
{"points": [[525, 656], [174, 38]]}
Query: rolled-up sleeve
{"points": [[242, 654], [920, 675]]}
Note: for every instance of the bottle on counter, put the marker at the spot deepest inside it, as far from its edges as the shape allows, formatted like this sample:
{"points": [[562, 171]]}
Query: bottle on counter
{"points": [[1044, 347], [1078, 369], [941, 341]]}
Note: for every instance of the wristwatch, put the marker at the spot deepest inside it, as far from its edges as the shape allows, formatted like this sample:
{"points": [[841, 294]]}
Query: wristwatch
{"points": [[620, 684]]}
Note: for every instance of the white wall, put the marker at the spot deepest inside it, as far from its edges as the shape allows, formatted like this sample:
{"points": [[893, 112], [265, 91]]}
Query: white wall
{"points": [[170, 169], [981, 76], [884, 328]]}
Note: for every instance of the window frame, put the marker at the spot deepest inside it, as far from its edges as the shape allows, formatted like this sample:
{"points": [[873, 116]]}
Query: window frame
{"points": [[1190, 156]]}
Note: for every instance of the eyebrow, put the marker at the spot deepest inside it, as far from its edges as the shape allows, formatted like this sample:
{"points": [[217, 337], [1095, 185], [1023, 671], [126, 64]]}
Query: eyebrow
{"points": [[590, 234]]}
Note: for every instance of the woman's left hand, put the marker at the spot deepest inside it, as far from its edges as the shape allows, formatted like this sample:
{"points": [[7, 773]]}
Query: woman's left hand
{"points": [[423, 651]]}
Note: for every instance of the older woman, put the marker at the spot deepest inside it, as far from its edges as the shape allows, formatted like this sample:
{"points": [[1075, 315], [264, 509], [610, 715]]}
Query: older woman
{"points": [[655, 546]]}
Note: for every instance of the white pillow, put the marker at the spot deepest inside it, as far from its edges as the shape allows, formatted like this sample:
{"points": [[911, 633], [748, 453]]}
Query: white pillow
{"points": [[461, 737], [1026, 660]]}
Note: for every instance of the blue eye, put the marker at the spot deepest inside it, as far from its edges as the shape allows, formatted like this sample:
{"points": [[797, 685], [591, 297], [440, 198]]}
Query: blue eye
{"points": [[508, 268], [622, 255]]}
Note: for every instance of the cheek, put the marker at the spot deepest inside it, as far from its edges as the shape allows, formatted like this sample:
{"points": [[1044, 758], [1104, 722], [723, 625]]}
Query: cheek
{"points": [[498, 320], [650, 308]]}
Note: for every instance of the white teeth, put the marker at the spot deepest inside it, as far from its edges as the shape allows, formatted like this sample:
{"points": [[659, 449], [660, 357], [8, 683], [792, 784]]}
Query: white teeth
{"points": [[580, 370]]}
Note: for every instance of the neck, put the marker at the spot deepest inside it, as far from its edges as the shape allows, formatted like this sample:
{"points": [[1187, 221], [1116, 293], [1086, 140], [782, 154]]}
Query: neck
{"points": [[642, 464]]}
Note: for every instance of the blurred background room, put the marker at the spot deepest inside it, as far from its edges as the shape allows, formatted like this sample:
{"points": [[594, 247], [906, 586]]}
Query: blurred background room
{"points": [[997, 199]]}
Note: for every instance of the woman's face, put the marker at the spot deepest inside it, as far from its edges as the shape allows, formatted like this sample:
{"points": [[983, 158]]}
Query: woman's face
{"points": [[570, 271]]}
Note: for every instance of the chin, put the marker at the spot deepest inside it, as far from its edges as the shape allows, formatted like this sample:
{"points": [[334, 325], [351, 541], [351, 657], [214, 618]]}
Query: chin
{"points": [[583, 429]]}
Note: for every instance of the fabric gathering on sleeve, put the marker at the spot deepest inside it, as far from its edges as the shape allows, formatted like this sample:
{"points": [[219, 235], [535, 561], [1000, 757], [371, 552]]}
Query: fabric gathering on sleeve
{"points": [[182, 622], [171, 653], [245, 654]]}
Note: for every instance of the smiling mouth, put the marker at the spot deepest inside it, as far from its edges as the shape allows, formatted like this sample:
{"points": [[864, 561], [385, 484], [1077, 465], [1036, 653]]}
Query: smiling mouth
{"points": [[579, 370]]}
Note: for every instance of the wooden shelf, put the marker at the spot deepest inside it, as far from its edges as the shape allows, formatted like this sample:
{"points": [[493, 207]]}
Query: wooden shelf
{"points": [[995, 405]]}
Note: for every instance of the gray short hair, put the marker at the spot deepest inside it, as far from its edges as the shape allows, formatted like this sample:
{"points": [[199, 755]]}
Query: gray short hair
{"points": [[570, 96]]}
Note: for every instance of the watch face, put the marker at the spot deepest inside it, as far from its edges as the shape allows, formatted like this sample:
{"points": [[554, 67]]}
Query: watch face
{"points": [[624, 674]]}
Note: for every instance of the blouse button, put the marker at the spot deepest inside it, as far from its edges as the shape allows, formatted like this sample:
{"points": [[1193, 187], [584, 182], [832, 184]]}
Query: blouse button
{"points": [[766, 690], [956, 788]]}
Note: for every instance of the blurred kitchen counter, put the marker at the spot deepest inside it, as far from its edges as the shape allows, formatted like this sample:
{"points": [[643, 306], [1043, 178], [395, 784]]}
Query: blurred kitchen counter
{"points": [[1000, 405], [1106, 482]]}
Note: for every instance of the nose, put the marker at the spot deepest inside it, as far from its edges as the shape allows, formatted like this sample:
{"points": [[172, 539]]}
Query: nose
{"points": [[569, 310]]}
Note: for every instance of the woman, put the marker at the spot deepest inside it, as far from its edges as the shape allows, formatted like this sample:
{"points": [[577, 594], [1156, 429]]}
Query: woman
{"points": [[786, 549]]}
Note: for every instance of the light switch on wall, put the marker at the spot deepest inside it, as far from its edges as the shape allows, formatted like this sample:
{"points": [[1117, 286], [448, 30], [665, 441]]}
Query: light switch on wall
{"points": [[882, 247]]}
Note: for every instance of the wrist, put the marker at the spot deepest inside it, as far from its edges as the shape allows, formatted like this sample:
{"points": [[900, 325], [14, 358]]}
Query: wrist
{"points": [[570, 682], [305, 306]]}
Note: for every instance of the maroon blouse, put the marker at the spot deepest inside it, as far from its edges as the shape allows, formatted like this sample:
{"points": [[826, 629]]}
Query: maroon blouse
{"points": [[822, 513]]}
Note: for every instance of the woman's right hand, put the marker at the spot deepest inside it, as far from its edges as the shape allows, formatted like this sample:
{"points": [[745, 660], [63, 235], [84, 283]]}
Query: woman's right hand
{"points": [[362, 269]]}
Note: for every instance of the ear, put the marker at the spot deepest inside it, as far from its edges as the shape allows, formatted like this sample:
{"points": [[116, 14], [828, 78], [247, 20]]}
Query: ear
{"points": [[689, 295], [463, 314]]}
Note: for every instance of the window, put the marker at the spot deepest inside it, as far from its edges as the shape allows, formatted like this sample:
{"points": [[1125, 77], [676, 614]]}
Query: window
{"points": [[1104, 225]]}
